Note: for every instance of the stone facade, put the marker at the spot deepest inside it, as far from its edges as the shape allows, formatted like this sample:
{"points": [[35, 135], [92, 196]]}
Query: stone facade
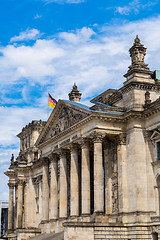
{"points": [[92, 172]]}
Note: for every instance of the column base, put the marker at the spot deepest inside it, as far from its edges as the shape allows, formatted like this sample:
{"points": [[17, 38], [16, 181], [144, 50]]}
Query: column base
{"points": [[74, 216], [53, 219], [44, 221], [10, 231], [85, 215], [98, 212], [62, 218]]}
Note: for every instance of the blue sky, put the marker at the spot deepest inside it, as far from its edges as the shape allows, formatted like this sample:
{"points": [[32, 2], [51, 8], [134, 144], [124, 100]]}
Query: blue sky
{"points": [[47, 45]]}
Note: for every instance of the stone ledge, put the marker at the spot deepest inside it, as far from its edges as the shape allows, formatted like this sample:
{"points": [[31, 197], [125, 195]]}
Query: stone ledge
{"points": [[28, 230]]}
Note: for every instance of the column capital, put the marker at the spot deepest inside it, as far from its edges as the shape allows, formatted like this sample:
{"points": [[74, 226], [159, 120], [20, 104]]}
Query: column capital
{"points": [[122, 139], [73, 148], [45, 160], [53, 157], [147, 135], [98, 137], [21, 182], [11, 185], [62, 152], [84, 142]]}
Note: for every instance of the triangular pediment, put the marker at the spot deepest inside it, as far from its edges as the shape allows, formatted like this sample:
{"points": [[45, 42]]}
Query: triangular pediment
{"points": [[65, 115]]}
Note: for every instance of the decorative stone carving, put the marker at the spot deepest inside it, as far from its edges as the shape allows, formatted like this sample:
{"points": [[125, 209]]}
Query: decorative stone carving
{"points": [[147, 97], [97, 137], [75, 95], [114, 170], [147, 135], [11, 185], [21, 182], [85, 142], [66, 119], [37, 184], [137, 54], [121, 139]]}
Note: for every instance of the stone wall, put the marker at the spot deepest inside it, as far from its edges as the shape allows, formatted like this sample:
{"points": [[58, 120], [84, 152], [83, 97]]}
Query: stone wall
{"points": [[94, 231], [122, 233]]}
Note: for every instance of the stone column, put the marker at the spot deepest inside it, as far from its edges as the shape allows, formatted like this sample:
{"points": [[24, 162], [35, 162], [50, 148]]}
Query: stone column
{"points": [[45, 192], [15, 210], [122, 174], [137, 169], [26, 204], [10, 209], [54, 189], [108, 177], [20, 202], [85, 179], [74, 183], [63, 185], [98, 175]]}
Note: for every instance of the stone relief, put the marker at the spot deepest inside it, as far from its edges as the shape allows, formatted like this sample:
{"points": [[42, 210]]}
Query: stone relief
{"points": [[114, 178], [66, 119]]}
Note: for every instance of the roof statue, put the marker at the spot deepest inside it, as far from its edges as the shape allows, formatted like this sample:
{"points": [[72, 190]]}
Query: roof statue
{"points": [[137, 54], [75, 95]]}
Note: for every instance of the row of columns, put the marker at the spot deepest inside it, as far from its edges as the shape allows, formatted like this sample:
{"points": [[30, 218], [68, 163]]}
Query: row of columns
{"points": [[56, 207], [74, 183], [17, 223]]}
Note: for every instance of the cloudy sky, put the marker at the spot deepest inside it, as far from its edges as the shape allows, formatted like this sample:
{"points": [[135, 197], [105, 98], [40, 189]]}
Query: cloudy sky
{"points": [[47, 45]]}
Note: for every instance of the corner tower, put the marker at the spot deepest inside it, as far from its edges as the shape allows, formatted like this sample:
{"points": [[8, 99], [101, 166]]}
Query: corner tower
{"points": [[138, 70]]}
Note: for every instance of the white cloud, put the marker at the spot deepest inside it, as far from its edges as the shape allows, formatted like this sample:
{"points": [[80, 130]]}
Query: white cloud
{"points": [[29, 34], [4, 188], [37, 16], [95, 61], [81, 35], [81, 56], [134, 6], [12, 121]]}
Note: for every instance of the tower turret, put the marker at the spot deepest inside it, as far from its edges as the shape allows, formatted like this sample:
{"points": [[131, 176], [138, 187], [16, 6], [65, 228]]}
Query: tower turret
{"points": [[75, 95], [138, 70]]}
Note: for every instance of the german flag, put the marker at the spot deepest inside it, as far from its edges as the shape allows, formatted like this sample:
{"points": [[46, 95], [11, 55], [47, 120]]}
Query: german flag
{"points": [[52, 101]]}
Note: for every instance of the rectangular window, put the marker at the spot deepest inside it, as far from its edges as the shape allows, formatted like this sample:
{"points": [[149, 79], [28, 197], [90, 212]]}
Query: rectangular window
{"points": [[158, 150]]}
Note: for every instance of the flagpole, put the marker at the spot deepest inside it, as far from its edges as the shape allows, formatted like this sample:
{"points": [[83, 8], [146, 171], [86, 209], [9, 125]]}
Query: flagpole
{"points": [[48, 104]]}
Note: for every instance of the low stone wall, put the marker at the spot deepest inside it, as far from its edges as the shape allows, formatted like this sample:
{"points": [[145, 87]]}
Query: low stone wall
{"points": [[100, 231], [79, 233], [24, 234], [122, 233]]}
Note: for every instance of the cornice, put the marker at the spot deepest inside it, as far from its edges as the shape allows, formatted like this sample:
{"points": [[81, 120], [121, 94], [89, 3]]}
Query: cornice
{"points": [[33, 125], [10, 173], [94, 116], [132, 85], [138, 69]]}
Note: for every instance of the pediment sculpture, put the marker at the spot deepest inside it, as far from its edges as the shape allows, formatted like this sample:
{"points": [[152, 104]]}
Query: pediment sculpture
{"points": [[67, 118]]}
